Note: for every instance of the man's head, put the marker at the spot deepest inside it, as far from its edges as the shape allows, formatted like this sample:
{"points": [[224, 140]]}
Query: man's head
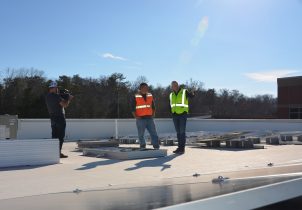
{"points": [[174, 86], [53, 87], [143, 88]]}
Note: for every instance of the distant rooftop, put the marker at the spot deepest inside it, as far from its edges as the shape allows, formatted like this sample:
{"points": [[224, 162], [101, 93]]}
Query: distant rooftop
{"points": [[290, 81]]}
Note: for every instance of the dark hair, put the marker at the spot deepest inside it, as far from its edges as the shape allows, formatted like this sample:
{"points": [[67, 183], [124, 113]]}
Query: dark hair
{"points": [[143, 84], [174, 82]]}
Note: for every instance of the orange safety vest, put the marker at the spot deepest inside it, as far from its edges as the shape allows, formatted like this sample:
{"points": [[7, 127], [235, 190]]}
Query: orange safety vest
{"points": [[144, 107]]}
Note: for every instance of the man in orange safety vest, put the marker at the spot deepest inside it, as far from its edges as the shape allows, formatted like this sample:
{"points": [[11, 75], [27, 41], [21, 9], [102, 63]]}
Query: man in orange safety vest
{"points": [[143, 110]]}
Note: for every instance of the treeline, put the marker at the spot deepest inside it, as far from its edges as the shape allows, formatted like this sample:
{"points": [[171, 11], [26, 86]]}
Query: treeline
{"points": [[22, 92]]}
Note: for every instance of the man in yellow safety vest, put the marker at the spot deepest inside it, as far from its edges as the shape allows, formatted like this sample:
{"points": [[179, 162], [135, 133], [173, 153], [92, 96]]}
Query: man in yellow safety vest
{"points": [[179, 104]]}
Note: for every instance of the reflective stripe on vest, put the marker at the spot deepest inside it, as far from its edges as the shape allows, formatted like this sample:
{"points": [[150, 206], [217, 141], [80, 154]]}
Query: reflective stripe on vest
{"points": [[144, 107], [140, 96], [178, 106]]}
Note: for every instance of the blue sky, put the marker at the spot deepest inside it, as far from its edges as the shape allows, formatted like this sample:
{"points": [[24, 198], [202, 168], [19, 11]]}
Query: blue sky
{"points": [[233, 44]]}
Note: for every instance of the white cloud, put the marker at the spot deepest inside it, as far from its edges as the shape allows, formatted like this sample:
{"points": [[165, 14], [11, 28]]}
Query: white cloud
{"points": [[201, 30], [113, 57], [270, 76]]}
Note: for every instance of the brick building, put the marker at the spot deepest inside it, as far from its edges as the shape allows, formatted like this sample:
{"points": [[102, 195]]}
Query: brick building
{"points": [[290, 97]]}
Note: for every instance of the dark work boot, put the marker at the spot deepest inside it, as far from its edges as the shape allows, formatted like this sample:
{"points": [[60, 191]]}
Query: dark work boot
{"points": [[142, 147], [156, 147], [179, 151], [63, 156], [176, 151]]}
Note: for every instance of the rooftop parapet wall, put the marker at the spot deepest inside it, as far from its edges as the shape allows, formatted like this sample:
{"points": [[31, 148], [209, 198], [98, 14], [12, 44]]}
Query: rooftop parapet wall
{"points": [[104, 128]]}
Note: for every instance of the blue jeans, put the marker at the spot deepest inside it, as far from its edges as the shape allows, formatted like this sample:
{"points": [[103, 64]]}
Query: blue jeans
{"points": [[180, 121], [142, 124]]}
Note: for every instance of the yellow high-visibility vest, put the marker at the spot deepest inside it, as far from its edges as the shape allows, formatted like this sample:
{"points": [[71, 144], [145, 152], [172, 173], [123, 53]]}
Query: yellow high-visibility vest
{"points": [[179, 103]]}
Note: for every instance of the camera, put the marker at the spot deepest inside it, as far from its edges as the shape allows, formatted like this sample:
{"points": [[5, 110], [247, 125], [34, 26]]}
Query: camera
{"points": [[65, 94]]}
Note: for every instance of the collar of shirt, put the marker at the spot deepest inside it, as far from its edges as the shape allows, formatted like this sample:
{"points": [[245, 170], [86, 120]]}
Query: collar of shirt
{"points": [[176, 92]]}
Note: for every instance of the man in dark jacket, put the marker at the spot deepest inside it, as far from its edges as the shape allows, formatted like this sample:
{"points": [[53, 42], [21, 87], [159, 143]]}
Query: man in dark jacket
{"points": [[55, 105]]}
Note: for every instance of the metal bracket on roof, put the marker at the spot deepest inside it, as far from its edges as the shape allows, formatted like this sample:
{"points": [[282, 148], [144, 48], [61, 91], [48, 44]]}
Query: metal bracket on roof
{"points": [[196, 175], [77, 191], [219, 180], [270, 164]]}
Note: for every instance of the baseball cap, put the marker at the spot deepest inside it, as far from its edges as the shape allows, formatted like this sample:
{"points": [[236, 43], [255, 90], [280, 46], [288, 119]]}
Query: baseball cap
{"points": [[53, 84]]}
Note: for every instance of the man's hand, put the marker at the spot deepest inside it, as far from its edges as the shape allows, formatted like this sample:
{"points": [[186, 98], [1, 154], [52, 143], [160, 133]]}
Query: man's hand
{"points": [[134, 115], [65, 103], [70, 97], [153, 115]]}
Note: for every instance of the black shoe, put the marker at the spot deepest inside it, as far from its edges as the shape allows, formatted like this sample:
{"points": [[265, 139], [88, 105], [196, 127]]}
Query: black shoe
{"points": [[142, 148], [63, 156], [176, 151], [179, 151]]}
